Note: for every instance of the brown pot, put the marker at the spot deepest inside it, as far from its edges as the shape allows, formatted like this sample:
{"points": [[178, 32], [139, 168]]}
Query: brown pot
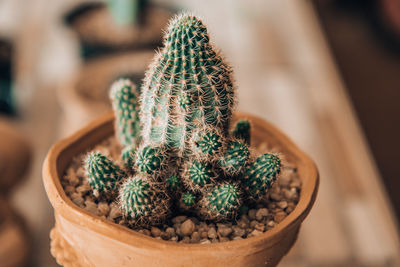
{"points": [[83, 239], [85, 96]]}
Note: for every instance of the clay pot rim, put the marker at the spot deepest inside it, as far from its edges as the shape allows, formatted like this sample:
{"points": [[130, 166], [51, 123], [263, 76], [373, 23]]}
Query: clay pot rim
{"points": [[63, 205]]}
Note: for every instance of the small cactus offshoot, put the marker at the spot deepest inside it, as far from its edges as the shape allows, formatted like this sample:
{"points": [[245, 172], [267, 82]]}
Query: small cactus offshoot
{"points": [[103, 175], [235, 158], [143, 202], [173, 182], [124, 97], [242, 131], [222, 202], [128, 155], [198, 174], [260, 175], [187, 201], [208, 143], [150, 159]]}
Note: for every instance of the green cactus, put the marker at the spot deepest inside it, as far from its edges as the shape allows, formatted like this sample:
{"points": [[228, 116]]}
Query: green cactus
{"points": [[207, 143], [173, 182], [151, 159], [259, 176], [124, 99], [103, 175], [197, 174], [235, 158], [222, 202], [187, 201], [128, 156], [188, 86], [143, 202], [242, 131]]}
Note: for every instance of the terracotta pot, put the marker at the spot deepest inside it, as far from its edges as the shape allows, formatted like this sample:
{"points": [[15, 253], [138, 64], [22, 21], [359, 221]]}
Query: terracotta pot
{"points": [[85, 96], [83, 239]]}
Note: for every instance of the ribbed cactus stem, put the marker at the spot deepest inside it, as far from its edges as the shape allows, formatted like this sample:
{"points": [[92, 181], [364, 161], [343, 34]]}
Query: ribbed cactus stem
{"points": [[197, 174], [222, 202], [173, 182], [103, 175], [124, 97], [151, 159], [260, 175], [142, 201], [187, 87], [128, 156], [187, 201], [236, 157], [242, 131]]}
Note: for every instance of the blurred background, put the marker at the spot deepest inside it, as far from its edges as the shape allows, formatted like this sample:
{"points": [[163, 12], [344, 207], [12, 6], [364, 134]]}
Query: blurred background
{"points": [[326, 72]]}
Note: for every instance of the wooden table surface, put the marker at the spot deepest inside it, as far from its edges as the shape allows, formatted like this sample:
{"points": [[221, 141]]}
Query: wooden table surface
{"points": [[285, 74]]}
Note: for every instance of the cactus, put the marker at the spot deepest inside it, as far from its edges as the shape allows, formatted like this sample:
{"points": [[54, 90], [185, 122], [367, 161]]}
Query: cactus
{"points": [[197, 174], [173, 182], [150, 159], [128, 155], [235, 158], [187, 201], [188, 86], [124, 99], [103, 175], [207, 143], [242, 131], [143, 202], [260, 175], [222, 202]]}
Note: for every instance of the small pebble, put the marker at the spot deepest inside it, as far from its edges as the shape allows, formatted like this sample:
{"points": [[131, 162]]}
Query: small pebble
{"points": [[282, 204], [170, 231], [114, 211], [224, 231], [260, 227], [205, 241], [195, 237], [255, 233], [223, 239], [187, 227], [103, 208], [237, 231], [212, 234], [179, 219], [91, 207], [279, 217], [253, 223], [261, 214], [252, 214], [155, 231], [185, 240]]}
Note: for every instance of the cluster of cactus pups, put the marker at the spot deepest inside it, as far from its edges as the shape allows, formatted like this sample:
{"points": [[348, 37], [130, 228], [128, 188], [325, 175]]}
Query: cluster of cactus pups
{"points": [[180, 153]]}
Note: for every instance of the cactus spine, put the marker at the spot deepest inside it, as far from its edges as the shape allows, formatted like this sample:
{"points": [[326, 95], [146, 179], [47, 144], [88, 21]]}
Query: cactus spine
{"points": [[124, 99], [235, 158], [103, 175]]}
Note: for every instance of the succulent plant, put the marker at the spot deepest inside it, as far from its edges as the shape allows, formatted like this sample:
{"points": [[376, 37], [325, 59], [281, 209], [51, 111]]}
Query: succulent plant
{"points": [[143, 202], [207, 143], [128, 156], [187, 87], [150, 159], [184, 151], [197, 174], [242, 131], [173, 182], [124, 97], [222, 202], [260, 175], [103, 175], [236, 157], [187, 201]]}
